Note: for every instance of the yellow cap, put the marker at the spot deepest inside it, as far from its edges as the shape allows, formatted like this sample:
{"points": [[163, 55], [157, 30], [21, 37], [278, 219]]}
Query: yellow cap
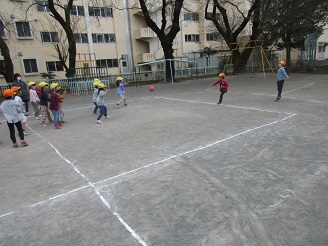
{"points": [[53, 86], [101, 85], [119, 78], [31, 83]]}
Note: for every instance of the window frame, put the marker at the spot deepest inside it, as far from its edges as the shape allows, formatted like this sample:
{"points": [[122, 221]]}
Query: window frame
{"points": [[53, 37], [56, 64], [82, 37], [41, 8], [103, 11], [112, 62], [191, 16], [2, 30], [192, 38], [215, 37], [30, 29], [107, 38], [36, 64]]}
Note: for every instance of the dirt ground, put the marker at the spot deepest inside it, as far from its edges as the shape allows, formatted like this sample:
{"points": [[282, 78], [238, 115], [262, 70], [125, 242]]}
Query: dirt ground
{"points": [[175, 168]]}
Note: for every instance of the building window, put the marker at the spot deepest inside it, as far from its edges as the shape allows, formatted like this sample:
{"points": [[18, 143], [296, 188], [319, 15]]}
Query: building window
{"points": [[103, 38], [215, 17], [100, 11], [42, 6], [2, 30], [30, 66], [49, 37], [213, 36], [77, 10], [23, 29], [81, 38], [54, 66], [191, 16], [192, 38], [107, 63]]}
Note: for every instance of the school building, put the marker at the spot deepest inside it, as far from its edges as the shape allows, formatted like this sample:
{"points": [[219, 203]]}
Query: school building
{"points": [[112, 35]]}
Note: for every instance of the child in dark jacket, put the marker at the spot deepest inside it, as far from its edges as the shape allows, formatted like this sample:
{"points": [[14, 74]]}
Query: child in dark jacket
{"points": [[43, 106], [223, 86]]}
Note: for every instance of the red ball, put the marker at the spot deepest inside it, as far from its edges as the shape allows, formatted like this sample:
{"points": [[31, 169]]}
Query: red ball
{"points": [[151, 88]]}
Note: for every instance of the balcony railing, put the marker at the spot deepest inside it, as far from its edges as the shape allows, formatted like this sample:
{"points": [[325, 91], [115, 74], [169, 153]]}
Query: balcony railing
{"points": [[144, 33], [146, 57]]}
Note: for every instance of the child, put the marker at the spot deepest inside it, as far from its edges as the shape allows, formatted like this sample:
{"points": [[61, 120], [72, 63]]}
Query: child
{"points": [[34, 98], [9, 110], [223, 86], [60, 111], [120, 91], [25, 96], [54, 105], [102, 91], [95, 94], [43, 106], [19, 102], [281, 78]]}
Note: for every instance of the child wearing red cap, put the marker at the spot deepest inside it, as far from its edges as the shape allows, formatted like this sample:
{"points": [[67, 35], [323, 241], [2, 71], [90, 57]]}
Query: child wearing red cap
{"points": [[9, 110], [223, 86]]}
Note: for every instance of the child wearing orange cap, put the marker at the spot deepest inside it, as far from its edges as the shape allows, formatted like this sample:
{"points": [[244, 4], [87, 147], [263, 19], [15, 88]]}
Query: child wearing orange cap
{"points": [[223, 86], [18, 100], [10, 110]]}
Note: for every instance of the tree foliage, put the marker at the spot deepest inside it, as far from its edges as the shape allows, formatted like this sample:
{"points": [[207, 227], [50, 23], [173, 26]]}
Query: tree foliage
{"points": [[165, 33], [231, 19], [290, 22]]}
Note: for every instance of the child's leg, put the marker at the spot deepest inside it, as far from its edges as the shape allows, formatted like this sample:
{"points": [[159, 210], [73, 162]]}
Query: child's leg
{"points": [[101, 112], [221, 97], [122, 99], [280, 85], [43, 114], [20, 130], [36, 110], [49, 116], [96, 108], [11, 127], [61, 115], [55, 114], [105, 111]]}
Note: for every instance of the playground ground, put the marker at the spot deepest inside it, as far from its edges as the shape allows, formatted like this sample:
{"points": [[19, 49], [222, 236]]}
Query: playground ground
{"points": [[174, 168]]}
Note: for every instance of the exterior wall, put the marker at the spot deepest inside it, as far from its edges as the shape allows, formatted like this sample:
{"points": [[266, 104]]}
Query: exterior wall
{"points": [[134, 41]]}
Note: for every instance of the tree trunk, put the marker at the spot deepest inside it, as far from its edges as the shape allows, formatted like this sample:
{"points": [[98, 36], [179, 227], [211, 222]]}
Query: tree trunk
{"points": [[168, 54], [8, 70]]}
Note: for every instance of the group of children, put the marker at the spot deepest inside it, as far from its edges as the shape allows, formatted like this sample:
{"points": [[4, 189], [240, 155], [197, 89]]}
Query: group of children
{"points": [[100, 91], [12, 107]]}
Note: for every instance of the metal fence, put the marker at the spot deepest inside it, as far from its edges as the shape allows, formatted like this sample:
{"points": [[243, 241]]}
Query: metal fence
{"points": [[82, 84]]}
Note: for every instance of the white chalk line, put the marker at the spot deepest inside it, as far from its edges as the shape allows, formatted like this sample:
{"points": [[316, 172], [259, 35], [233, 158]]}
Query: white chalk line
{"points": [[225, 105], [195, 150], [299, 88], [90, 184]]}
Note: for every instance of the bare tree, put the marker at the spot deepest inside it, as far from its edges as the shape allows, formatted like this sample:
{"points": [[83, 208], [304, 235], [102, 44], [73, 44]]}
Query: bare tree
{"points": [[165, 35], [7, 67], [230, 21]]}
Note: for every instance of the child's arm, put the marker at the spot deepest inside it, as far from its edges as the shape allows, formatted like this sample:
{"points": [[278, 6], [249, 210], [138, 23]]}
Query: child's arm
{"points": [[217, 82]]}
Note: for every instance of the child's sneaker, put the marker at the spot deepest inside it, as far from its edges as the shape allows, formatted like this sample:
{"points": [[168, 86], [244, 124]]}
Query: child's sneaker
{"points": [[43, 125], [125, 104], [99, 122], [57, 127], [106, 117], [25, 132], [37, 118], [60, 124], [117, 104], [23, 143], [15, 145], [277, 99]]}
